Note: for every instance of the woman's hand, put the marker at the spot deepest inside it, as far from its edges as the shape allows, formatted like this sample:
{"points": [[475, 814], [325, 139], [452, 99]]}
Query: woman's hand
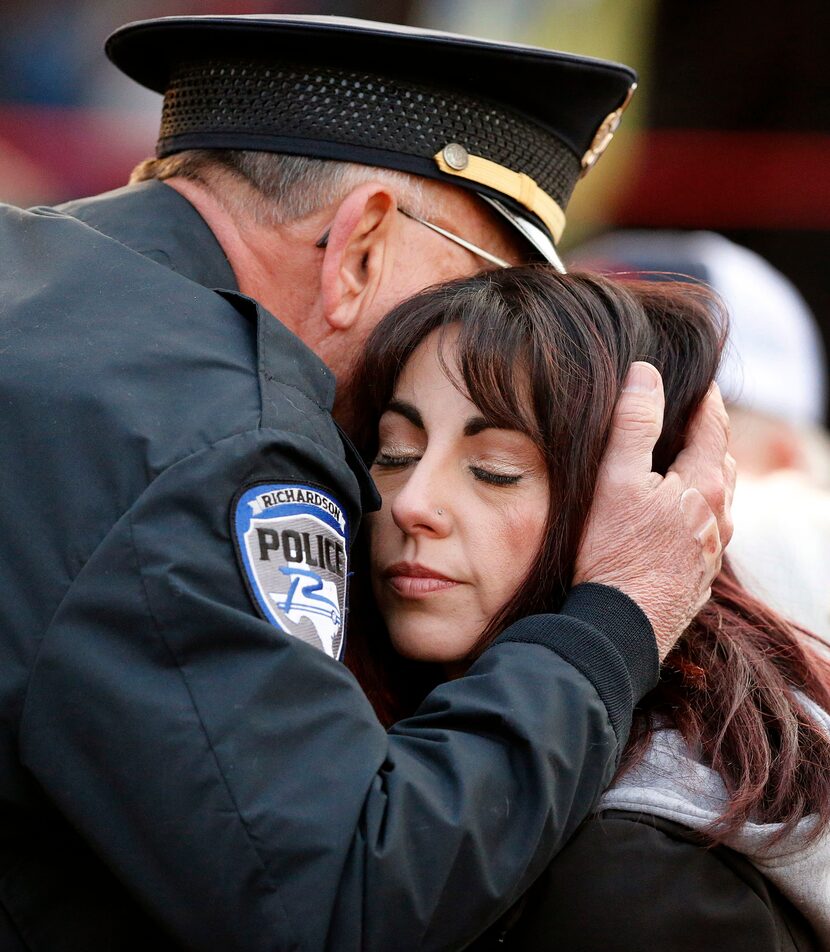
{"points": [[660, 539]]}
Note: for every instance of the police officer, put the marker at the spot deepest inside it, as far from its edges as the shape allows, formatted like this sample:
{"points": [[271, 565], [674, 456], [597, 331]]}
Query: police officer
{"points": [[184, 763]]}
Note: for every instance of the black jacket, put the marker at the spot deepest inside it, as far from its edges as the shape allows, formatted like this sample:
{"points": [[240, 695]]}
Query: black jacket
{"points": [[630, 881], [174, 770]]}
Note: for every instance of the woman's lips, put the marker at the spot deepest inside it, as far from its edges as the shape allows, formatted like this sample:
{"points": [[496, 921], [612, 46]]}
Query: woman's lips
{"points": [[415, 581]]}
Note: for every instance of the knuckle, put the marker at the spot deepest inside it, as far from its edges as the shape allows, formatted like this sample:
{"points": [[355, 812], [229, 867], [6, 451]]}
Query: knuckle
{"points": [[716, 497], [652, 482], [708, 534], [696, 511], [711, 544], [638, 414], [713, 491], [672, 485]]}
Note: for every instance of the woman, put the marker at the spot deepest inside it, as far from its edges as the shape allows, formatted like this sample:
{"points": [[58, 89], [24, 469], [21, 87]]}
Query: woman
{"points": [[486, 404]]}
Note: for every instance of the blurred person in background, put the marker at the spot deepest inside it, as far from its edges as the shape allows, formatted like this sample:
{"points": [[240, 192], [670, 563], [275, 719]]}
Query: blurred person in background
{"points": [[774, 380], [184, 764]]}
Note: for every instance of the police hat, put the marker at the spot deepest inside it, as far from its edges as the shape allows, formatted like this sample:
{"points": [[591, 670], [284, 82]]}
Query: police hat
{"points": [[516, 124]]}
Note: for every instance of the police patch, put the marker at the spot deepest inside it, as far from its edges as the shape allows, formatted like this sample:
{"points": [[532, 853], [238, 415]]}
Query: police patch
{"points": [[292, 542]]}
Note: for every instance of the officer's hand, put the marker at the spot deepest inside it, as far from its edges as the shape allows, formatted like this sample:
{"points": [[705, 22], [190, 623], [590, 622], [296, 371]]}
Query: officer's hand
{"points": [[660, 540]]}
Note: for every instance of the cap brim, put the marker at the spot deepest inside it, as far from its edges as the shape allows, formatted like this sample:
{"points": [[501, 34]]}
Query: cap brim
{"points": [[533, 233]]}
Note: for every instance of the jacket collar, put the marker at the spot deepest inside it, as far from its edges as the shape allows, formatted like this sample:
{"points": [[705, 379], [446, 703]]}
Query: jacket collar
{"points": [[154, 220]]}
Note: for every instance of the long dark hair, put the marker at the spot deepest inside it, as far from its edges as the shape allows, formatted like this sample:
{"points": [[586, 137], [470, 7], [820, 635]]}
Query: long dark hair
{"points": [[546, 354]]}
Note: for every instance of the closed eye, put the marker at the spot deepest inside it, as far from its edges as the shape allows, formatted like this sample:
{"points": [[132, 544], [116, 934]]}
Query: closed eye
{"points": [[494, 479], [392, 460]]}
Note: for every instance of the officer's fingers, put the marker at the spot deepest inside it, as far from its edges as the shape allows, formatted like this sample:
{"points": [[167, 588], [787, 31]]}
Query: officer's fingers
{"points": [[726, 524], [700, 519], [704, 462], [707, 440], [635, 427]]}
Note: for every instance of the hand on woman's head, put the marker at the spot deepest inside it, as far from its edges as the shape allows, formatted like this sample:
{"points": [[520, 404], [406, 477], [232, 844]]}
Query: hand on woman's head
{"points": [[684, 516]]}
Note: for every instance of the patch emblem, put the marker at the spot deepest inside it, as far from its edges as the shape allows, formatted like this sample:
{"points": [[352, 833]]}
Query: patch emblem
{"points": [[292, 542]]}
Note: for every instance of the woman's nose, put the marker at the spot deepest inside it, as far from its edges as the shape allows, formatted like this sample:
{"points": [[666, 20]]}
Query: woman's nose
{"points": [[420, 506]]}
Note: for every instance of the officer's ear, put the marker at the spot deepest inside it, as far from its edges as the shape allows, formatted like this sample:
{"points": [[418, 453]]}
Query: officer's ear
{"points": [[357, 247]]}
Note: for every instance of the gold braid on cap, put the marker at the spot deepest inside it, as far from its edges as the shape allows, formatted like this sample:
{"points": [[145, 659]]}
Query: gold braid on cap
{"points": [[516, 185]]}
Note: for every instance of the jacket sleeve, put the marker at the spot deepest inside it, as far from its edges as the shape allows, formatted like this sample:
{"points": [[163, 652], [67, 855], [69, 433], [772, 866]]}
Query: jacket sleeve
{"points": [[630, 883], [236, 779]]}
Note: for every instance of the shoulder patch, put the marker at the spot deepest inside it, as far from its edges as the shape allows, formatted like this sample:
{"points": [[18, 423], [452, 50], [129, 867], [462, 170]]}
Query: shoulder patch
{"points": [[292, 544]]}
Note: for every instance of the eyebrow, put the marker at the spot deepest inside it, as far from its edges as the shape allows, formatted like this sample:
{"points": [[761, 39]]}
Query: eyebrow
{"points": [[476, 424], [472, 427], [407, 411]]}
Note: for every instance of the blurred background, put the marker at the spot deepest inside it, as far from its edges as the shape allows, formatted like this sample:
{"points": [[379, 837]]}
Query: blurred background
{"points": [[730, 129]]}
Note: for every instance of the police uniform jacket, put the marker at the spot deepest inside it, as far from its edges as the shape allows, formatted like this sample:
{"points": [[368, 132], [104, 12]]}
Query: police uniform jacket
{"points": [[175, 771]]}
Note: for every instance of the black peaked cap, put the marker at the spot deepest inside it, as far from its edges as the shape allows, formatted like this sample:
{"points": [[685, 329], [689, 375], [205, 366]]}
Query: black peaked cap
{"points": [[391, 96]]}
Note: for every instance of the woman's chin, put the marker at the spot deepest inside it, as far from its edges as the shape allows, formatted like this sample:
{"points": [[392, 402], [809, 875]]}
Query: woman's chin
{"points": [[419, 646]]}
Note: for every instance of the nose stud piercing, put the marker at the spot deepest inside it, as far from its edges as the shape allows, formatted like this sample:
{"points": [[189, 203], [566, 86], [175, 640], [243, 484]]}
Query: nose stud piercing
{"points": [[440, 512]]}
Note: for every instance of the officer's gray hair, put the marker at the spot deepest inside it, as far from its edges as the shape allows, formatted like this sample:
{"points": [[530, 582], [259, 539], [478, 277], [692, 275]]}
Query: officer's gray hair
{"points": [[284, 188]]}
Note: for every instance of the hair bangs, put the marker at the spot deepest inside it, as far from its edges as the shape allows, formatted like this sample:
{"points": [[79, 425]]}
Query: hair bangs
{"points": [[489, 359]]}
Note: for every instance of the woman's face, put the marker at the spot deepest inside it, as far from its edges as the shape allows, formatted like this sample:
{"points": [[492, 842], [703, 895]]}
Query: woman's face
{"points": [[464, 509]]}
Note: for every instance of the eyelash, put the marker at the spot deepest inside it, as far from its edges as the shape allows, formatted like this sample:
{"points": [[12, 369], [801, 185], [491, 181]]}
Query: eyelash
{"points": [[494, 479], [387, 460]]}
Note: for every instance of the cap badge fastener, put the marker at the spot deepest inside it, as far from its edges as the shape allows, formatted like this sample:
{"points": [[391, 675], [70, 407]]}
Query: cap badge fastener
{"points": [[516, 185], [456, 156]]}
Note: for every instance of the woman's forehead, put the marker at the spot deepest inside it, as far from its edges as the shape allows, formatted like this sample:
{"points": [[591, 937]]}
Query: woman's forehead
{"points": [[434, 364], [432, 378], [432, 383]]}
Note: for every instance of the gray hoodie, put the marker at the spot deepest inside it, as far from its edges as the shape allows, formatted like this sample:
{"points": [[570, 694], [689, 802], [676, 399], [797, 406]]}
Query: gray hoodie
{"points": [[672, 783]]}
